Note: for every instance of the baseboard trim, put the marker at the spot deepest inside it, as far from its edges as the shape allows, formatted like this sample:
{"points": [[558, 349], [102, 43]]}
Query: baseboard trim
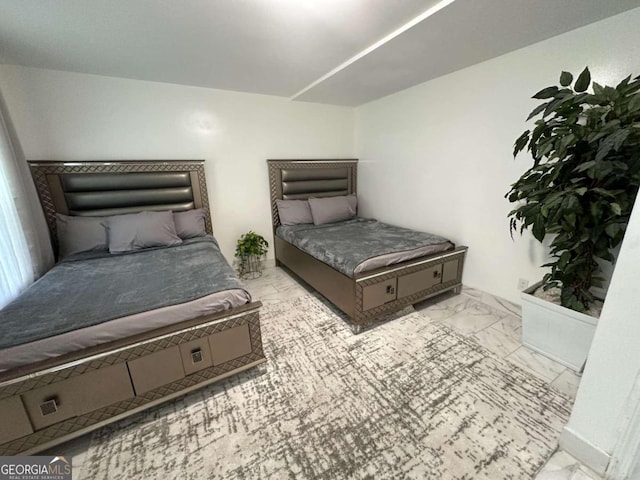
{"points": [[579, 448]]}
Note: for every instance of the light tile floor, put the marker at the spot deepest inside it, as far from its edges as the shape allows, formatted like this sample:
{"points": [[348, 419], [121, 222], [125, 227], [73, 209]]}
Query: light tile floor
{"points": [[491, 321], [562, 466]]}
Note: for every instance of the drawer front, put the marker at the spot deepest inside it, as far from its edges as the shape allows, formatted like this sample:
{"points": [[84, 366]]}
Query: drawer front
{"points": [[78, 395], [156, 369], [14, 420], [450, 271], [379, 294], [102, 387], [229, 344], [51, 404], [418, 281], [196, 355]]}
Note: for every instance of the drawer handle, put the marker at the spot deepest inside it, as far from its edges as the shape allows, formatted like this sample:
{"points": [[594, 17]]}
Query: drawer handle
{"points": [[390, 289], [196, 355], [49, 407], [436, 274]]}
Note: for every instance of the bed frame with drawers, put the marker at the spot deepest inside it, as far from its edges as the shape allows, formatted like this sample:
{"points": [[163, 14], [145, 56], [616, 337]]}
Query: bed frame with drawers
{"points": [[368, 295], [49, 402]]}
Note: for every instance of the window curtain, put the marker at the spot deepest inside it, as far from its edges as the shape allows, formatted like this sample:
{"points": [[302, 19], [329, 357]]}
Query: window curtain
{"points": [[25, 249]]}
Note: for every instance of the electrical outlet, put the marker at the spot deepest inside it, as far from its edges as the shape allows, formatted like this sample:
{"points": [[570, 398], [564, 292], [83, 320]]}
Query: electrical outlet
{"points": [[522, 283]]}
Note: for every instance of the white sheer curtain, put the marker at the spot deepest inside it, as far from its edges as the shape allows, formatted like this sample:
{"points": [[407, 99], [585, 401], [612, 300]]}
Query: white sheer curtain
{"points": [[25, 251]]}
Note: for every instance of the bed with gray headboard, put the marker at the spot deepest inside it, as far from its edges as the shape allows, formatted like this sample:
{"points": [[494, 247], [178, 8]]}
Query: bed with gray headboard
{"points": [[104, 335], [363, 295]]}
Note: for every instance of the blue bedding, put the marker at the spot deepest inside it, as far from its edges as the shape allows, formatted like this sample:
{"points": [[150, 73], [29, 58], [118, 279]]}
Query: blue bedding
{"points": [[345, 245], [90, 288]]}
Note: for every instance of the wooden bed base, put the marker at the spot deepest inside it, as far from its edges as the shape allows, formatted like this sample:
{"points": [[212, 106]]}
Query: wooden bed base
{"points": [[49, 402], [368, 295], [54, 401]]}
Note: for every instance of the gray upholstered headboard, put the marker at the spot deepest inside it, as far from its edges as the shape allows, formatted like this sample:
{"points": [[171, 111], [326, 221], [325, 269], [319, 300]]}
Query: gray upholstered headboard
{"points": [[300, 179], [118, 187]]}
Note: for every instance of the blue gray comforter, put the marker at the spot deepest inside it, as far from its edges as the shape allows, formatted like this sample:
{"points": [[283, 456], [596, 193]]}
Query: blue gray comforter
{"points": [[345, 245], [94, 287]]}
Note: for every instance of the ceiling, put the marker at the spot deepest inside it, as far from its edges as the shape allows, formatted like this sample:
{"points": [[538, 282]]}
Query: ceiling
{"points": [[344, 52]]}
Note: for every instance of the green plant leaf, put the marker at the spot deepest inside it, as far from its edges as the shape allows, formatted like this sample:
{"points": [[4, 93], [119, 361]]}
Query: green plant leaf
{"points": [[623, 83], [583, 81], [634, 103], [546, 93], [612, 142], [612, 230], [597, 89], [537, 110], [569, 139], [595, 210], [576, 305], [565, 79], [619, 138], [551, 106], [521, 142], [611, 93], [545, 149], [584, 166], [615, 208], [538, 229], [604, 192]]}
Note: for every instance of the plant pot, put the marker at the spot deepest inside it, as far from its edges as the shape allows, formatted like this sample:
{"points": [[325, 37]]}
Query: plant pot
{"points": [[250, 267], [556, 332]]}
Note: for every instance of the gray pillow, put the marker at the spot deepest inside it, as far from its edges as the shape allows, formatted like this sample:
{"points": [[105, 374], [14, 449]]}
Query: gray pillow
{"points": [[333, 209], [78, 234], [189, 223], [141, 230], [293, 212]]}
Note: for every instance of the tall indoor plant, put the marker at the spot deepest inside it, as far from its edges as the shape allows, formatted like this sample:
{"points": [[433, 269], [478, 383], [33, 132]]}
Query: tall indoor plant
{"points": [[585, 175]]}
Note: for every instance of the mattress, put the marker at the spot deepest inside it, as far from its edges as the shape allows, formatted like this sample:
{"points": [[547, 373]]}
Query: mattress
{"points": [[95, 297], [360, 244]]}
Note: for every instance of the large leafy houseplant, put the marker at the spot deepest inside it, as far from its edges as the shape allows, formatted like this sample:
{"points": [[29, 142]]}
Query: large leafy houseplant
{"points": [[584, 179]]}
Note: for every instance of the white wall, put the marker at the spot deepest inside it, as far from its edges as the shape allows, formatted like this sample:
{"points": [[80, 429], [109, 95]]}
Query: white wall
{"points": [[438, 156], [601, 412], [70, 116]]}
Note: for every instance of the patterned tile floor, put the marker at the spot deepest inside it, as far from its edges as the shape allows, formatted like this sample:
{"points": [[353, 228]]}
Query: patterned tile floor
{"points": [[488, 320]]}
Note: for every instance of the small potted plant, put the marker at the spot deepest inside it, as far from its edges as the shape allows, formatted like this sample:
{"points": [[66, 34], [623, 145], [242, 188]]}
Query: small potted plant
{"points": [[250, 249], [580, 192]]}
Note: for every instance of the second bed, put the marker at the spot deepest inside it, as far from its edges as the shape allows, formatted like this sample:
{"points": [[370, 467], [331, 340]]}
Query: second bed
{"points": [[368, 269]]}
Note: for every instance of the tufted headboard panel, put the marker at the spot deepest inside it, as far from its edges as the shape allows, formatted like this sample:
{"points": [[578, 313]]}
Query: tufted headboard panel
{"points": [[300, 179], [112, 188]]}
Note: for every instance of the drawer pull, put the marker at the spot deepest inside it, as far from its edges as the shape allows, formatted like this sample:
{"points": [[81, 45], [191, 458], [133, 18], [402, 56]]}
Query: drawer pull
{"points": [[436, 274], [196, 355], [390, 289], [49, 407]]}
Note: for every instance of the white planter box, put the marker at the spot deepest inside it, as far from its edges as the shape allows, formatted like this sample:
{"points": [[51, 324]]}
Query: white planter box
{"points": [[556, 332]]}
